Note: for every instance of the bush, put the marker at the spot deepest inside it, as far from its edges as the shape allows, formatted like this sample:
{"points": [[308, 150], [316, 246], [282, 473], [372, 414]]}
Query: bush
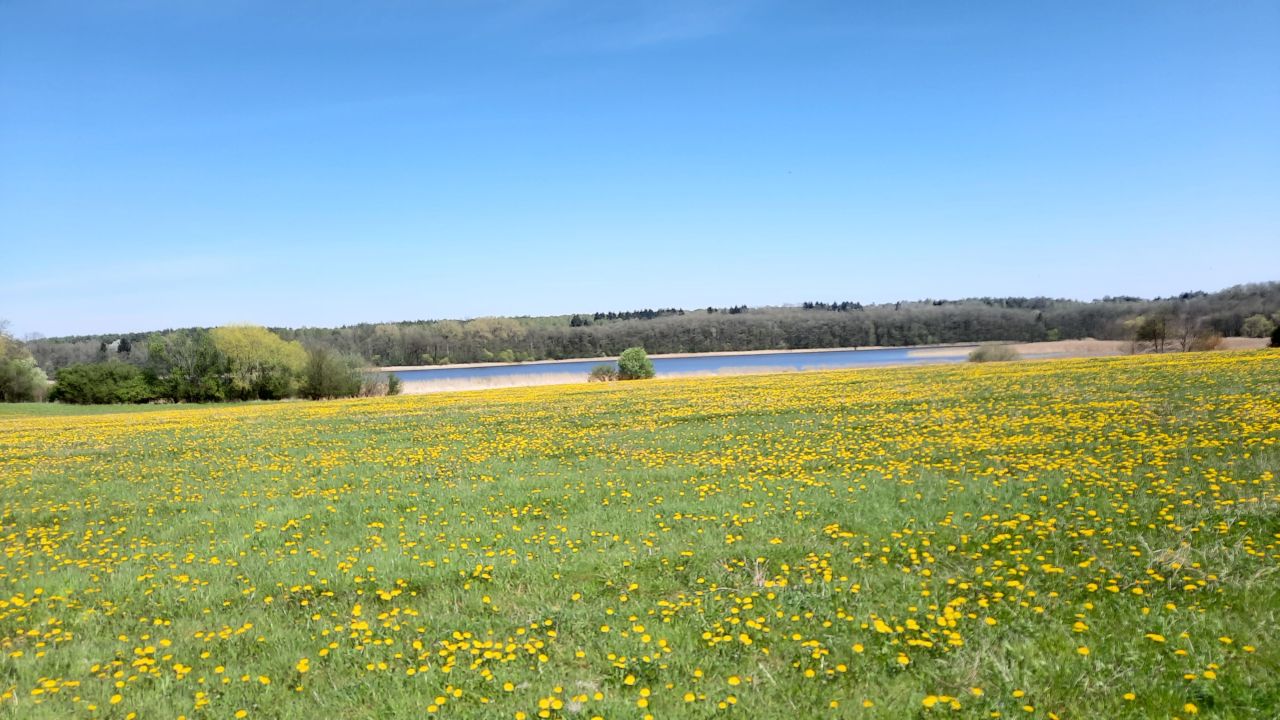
{"points": [[603, 373], [1258, 326], [102, 384], [21, 380], [634, 364], [1275, 337], [994, 352], [394, 385], [330, 375]]}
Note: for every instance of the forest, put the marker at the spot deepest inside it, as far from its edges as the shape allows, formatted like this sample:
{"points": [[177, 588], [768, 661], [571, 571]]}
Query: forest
{"points": [[1239, 310]]}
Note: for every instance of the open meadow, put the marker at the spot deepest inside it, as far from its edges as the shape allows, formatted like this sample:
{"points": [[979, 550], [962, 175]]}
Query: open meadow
{"points": [[1069, 539]]}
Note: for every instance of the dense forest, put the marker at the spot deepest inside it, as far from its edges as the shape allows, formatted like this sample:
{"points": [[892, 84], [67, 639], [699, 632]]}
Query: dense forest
{"points": [[1241, 310]]}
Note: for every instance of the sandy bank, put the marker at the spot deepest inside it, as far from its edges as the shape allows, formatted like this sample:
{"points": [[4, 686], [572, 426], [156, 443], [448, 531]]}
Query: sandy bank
{"points": [[1055, 348]]}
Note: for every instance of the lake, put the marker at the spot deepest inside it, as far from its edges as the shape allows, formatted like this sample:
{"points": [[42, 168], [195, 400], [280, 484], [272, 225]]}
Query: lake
{"points": [[429, 379]]}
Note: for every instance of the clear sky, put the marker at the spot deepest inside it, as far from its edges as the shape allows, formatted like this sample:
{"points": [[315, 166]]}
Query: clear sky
{"points": [[170, 163]]}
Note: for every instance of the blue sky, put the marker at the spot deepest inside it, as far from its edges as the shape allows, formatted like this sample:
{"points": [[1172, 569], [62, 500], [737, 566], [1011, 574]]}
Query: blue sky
{"points": [[171, 163]]}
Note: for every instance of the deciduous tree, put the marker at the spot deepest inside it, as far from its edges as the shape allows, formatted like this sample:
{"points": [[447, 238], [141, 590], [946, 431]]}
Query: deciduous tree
{"points": [[259, 364]]}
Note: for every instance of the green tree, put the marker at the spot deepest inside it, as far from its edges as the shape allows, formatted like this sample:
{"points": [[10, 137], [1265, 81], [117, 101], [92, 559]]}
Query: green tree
{"points": [[102, 384], [184, 366], [634, 364], [330, 375], [21, 379], [1257, 326], [259, 364], [1150, 329]]}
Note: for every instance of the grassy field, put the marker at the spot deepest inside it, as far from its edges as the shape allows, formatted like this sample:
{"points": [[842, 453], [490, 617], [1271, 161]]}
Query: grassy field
{"points": [[1070, 539]]}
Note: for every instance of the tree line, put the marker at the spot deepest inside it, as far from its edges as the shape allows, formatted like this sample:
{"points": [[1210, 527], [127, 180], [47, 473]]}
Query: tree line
{"points": [[235, 362], [192, 364]]}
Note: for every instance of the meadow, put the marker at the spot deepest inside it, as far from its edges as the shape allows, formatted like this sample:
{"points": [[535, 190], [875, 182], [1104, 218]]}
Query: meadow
{"points": [[1055, 539]]}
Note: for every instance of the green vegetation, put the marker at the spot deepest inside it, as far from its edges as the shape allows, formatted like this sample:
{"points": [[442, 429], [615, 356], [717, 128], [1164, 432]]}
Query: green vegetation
{"points": [[994, 352], [241, 362], [1077, 538], [634, 364], [248, 362], [1258, 326], [185, 366], [812, 325], [260, 366], [330, 375], [101, 384], [21, 379]]}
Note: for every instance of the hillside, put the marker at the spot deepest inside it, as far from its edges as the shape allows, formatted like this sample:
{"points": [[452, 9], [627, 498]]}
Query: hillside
{"points": [[808, 325]]}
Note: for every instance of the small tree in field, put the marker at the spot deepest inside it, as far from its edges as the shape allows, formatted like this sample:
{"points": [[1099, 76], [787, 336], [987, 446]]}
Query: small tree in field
{"points": [[634, 364]]}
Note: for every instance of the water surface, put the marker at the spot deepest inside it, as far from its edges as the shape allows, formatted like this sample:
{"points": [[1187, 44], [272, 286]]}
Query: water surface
{"points": [[546, 372]]}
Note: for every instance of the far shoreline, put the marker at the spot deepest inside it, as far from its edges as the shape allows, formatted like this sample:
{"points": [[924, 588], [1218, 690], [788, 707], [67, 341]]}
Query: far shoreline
{"points": [[955, 352], [714, 353]]}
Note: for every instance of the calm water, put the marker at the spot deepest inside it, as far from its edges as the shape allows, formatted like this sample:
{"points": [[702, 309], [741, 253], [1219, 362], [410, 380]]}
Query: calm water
{"points": [[536, 372]]}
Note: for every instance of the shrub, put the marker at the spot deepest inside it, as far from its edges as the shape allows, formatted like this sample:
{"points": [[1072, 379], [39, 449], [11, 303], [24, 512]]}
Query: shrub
{"points": [[994, 352], [1258, 326], [330, 375], [634, 364], [21, 380], [603, 373], [101, 384], [394, 385], [1275, 337]]}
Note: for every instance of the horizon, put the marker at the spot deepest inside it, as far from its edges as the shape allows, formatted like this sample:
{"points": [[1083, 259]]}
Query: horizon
{"points": [[298, 165], [777, 306]]}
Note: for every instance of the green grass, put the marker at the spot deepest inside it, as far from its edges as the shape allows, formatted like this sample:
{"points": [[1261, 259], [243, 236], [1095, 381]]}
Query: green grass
{"points": [[52, 409], [759, 546], [46, 409]]}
